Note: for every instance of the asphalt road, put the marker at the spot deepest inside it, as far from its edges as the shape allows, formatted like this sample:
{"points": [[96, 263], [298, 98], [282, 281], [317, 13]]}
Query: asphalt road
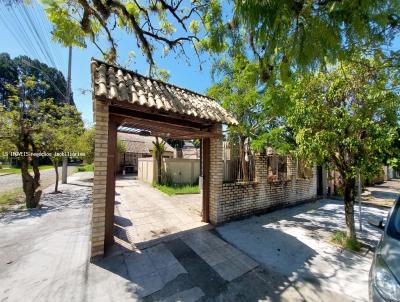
{"points": [[13, 181]]}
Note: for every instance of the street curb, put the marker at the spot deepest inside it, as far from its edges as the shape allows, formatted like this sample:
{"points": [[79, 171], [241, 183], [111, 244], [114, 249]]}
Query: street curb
{"points": [[5, 174]]}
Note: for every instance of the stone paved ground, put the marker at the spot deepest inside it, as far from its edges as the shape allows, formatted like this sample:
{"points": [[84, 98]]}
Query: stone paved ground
{"points": [[44, 252], [44, 257], [382, 194], [293, 243], [144, 214]]}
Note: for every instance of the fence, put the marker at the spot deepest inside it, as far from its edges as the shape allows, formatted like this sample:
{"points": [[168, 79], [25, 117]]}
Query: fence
{"points": [[235, 172], [278, 168], [177, 170], [277, 185]]}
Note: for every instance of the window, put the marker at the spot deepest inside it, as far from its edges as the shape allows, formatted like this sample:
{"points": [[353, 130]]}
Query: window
{"points": [[277, 168], [303, 171]]}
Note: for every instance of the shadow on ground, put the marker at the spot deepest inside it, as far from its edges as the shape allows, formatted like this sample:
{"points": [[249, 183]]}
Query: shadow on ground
{"points": [[73, 198], [169, 270], [294, 243]]}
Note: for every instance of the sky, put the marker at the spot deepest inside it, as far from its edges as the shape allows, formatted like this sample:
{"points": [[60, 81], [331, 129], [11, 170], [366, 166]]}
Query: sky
{"points": [[18, 38], [14, 24]]}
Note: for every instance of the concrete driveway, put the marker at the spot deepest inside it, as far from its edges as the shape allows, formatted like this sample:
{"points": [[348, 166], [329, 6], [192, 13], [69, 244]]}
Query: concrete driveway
{"points": [[293, 243], [144, 215], [44, 256], [44, 252]]}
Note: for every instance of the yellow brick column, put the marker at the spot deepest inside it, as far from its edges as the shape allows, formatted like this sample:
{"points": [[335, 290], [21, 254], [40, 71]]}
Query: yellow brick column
{"points": [[261, 167], [100, 177], [216, 176]]}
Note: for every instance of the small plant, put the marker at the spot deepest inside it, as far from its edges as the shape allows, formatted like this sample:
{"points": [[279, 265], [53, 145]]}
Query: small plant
{"points": [[177, 189], [85, 168], [10, 198], [167, 178], [340, 238]]}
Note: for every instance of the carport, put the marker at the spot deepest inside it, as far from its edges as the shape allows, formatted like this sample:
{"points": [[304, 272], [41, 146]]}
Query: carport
{"points": [[123, 98]]}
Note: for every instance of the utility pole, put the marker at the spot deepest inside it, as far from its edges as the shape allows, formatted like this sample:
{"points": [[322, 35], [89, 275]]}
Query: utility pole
{"points": [[68, 101]]}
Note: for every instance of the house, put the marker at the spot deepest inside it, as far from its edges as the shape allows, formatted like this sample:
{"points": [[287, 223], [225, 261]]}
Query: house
{"points": [[137, 146], [189, 151]]}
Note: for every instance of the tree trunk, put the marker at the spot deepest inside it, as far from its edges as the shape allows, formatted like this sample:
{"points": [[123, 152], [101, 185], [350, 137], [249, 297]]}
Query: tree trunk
{"points": [[64, 174], [31, 185], [158, 155], [159, 163], [55, 164], [349, 197], [242, 158]]}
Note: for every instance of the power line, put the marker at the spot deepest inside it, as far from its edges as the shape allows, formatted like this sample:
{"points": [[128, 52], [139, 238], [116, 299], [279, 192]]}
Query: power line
{"points": [[22, 45], [42, 33], [43, 21], [36, 36], [19, 34]]}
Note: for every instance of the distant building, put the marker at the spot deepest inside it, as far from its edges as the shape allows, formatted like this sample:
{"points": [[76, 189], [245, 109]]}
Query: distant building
{"points": [[189, 151], [137, 146]]}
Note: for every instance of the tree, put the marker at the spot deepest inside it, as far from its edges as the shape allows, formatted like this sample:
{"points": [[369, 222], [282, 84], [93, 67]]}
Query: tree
{"points": [[158, 151], [345, 118], [287, 35], [175, 143], [168, 23], [19, 120], [85, 144], [8, 75], [239, 95], [31, 91], [11, 70], [60, 133]]}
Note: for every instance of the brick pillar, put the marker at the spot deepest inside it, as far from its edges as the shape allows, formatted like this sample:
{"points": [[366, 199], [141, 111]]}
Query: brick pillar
{"points": [[291, 168], [100, 178], [261, 167], [216, 176]]}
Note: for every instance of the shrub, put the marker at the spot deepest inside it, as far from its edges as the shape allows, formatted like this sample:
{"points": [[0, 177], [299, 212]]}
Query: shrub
{"points": [[340, 238]]}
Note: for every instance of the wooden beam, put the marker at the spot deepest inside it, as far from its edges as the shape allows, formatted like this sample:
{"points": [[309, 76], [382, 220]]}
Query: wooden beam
{"points": [[174, 127], [110, 188], [167, 131], [206, 179], [128, 109]]}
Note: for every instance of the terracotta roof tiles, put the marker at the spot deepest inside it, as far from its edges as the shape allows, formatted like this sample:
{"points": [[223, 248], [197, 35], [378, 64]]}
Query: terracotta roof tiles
{"points": [[117, 83]]}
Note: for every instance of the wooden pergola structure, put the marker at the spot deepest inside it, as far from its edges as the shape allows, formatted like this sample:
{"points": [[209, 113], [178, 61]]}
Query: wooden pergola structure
{"points": [[125, 98]]}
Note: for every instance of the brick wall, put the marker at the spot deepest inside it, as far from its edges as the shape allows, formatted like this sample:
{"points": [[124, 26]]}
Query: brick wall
{"points": [[100, 178], [244, 199], [216, 176]]}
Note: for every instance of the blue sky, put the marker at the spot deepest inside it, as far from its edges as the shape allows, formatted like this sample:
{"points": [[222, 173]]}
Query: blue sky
{"points": [[14, 26], [182, 74]]}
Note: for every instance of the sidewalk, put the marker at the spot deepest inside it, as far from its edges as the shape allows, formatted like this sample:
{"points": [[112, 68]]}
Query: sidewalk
{"points": [[382, 194]]}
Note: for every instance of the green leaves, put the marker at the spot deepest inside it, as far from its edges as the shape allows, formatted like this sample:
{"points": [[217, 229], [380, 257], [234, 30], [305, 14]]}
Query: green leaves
{"points": [[289, 35], [67, 31], [345, 117], [194, 26]]}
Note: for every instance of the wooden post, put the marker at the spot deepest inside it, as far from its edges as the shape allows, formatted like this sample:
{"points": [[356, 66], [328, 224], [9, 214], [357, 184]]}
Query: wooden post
{"points": [[206, 179], [110, 188]]}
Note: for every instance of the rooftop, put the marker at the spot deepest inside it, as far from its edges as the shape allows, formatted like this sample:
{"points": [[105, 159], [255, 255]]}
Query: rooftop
{"points": [[140, 144], [117, 83]]}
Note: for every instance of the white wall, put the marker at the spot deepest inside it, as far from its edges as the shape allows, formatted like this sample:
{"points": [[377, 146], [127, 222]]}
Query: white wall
{"points": [[183, 171]]}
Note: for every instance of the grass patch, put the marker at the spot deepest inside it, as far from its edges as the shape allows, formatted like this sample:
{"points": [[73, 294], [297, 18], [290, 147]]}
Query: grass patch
{"points": [[18, 170], [85, 168], [340, 238], [178, 189], [10, 198]]}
